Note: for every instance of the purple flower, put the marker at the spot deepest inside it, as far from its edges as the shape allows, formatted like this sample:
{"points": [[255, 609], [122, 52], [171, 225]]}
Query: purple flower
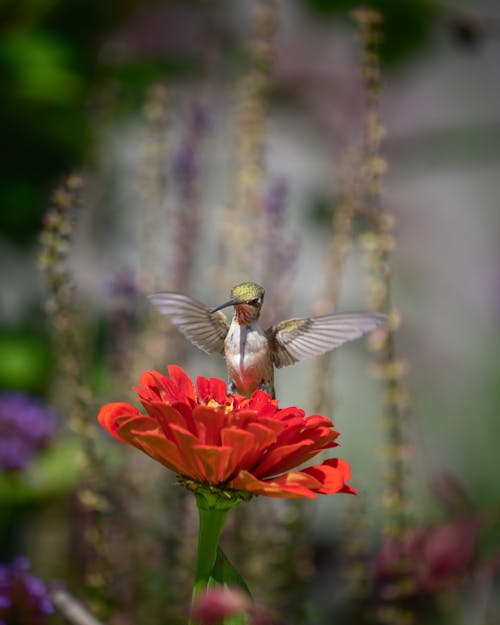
{"points": [[275, 198], [186, 159], [26, 426], [186, 166], [122, 285], [280, 248], [24, 598]]}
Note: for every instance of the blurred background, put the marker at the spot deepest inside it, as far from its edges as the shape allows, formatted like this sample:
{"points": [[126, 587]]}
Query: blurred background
{"points": [[342, 160]]}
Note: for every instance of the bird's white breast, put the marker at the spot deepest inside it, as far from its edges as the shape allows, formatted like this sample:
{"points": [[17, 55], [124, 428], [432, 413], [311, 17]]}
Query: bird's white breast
{"points": [[247, 354]]}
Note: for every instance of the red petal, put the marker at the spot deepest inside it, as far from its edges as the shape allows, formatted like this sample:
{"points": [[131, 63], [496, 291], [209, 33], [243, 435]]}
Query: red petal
{"points": [[149, 381], [290, 413], [298, 431], [333, 475], [284, 457], [112, 415], [203, 388], [317, 419], [154, 444], [241, 417], [186, 444], [182, 381], [239, 402], [341, 465], [260, 401], [215, 462], [156, 386], [209, 421], [264, 435], [296, 479], [218, 390], [269, 423], [244, 447], [212, 388], [187, 412], [288, 486], [166, 416]]}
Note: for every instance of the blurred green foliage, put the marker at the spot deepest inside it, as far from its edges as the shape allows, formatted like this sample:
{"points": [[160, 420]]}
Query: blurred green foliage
{"points": [[25, 360], [54, 473], [48, 65], [50, 69]]}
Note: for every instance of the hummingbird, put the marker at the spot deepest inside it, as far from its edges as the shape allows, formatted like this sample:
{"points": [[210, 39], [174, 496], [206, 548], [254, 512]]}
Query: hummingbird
{"points": [[252, 352]]}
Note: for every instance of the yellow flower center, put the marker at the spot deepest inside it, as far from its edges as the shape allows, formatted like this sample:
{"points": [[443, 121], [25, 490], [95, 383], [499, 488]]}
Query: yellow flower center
{"points": [[226, 407]]}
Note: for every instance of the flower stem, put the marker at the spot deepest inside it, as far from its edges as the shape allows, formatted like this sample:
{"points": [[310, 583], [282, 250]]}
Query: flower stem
{"points": [[212, 520]]}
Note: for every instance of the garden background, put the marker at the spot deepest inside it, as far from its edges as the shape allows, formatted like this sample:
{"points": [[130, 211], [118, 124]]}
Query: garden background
{"points": [[346, 159]]}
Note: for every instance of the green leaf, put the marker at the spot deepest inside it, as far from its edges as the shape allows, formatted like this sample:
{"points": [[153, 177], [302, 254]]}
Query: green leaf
{"points": [[225, 573]]}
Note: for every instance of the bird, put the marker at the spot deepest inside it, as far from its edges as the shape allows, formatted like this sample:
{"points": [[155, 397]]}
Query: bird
{"points": [[252, 352]]}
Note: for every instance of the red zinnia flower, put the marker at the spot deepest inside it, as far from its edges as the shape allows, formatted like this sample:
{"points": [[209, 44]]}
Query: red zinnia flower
{"points": [[226, 441]]}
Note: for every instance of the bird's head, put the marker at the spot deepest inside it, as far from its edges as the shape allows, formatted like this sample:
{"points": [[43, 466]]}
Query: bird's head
{"points": [[247, 299]]}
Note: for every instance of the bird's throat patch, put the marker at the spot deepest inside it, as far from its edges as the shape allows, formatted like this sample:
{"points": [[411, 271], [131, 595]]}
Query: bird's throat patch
{"points": [[245, 313]]}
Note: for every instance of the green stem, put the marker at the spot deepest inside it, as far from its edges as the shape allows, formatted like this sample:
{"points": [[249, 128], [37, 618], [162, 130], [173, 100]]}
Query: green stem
{"points": [[211, 523]]}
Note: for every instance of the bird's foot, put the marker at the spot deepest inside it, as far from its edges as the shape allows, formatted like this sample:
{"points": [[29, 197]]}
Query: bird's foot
{"points": [[268, 387]]}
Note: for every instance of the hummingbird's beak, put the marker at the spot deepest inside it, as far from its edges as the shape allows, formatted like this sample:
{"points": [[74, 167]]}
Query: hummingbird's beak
{"points": [[231, 302]]}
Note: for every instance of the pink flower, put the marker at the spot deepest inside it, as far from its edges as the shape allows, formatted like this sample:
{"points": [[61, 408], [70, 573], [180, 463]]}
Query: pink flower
{"points": [[218, 603], [434, 557]]}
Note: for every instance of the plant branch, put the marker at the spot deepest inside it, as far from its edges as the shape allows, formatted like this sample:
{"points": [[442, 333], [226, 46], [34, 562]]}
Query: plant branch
{"points": [[71, 609]]}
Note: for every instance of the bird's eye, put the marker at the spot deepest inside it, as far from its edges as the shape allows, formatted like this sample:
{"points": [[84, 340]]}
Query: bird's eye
{"points": [[254, 302]]}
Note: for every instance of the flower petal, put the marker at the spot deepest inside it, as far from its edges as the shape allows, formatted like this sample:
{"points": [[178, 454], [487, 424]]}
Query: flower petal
{"points": [[182, 381], [209, 421], [166, 416], [245, 448], [154, 444], [215, 461], [186, 444], [284, 457], [290, 485], [148, 384], [290, 415], [310, 427], [115, 413], [333, 475], [218, 390], [262, 402], [264, 435], [203, 389]]}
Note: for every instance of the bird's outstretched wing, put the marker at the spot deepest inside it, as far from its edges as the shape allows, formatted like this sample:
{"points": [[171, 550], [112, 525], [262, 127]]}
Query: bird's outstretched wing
{"points": [[297, 339], [203, 328]]}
